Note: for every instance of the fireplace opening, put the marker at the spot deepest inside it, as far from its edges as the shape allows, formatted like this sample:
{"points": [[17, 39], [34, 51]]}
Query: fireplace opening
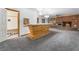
{"points": [[67, 24]]}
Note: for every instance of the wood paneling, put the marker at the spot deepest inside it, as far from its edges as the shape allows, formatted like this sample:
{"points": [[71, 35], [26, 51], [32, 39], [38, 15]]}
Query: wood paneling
{"points": [[37, 31]]}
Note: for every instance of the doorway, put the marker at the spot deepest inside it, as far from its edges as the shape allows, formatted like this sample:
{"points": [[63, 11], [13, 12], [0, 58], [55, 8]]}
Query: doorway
{"points": [[12, 23]]}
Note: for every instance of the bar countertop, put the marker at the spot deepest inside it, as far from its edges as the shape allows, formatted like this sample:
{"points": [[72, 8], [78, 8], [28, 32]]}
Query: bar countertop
{"points": [[39, 24]]}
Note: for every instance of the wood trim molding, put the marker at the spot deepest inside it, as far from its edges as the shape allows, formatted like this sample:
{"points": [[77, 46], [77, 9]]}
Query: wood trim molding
{"points": [[11, 9], [18, 23]]}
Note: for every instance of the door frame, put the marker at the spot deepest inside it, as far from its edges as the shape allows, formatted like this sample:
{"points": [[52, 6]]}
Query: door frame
{"points": [[17, 17]]}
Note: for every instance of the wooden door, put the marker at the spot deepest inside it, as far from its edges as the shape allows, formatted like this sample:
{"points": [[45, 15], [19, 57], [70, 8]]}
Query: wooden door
{"points": [[12, 23]]}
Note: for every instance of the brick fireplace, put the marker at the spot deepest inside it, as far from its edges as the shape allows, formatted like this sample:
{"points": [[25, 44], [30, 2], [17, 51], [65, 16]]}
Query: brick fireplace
{"points": [[71, 21]]}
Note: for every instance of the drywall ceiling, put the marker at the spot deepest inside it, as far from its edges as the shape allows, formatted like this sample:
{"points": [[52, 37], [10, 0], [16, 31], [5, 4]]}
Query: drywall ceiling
{"points": [[58, 11], [55, 11]]}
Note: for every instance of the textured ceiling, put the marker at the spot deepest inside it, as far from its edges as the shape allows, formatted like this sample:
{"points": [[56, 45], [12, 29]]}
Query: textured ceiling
{"points": [[58, 11], [55, 11]]}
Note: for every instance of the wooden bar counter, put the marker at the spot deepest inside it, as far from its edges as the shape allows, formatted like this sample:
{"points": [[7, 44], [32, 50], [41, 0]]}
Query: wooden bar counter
{"points": [[38, 30]]}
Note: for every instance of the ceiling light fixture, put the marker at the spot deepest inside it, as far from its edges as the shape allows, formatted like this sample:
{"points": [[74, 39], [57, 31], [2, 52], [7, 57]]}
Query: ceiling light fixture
{"points": [[44, 10]]}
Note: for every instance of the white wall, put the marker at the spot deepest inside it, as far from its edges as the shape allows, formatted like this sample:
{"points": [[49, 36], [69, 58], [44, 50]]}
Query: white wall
{"points": [[2, 24], [29, 13]]}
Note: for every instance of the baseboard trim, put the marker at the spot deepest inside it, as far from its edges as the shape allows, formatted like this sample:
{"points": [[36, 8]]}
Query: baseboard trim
{"points": [[24, 34]]}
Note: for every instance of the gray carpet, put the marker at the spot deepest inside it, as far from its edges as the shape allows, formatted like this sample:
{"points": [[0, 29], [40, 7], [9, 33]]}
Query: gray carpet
{"points": [[56, 40]]}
